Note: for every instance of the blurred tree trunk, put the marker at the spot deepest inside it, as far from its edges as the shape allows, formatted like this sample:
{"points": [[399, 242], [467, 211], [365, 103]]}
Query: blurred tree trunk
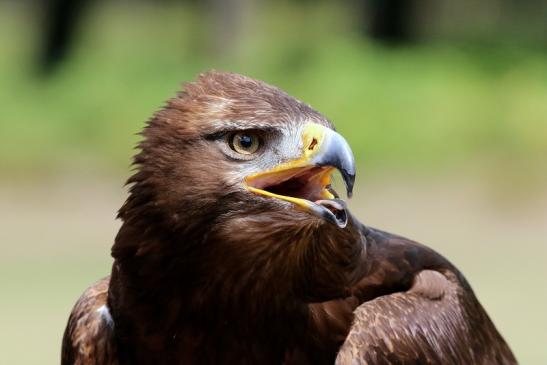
{"points": [[389, 21], [60, 21]]}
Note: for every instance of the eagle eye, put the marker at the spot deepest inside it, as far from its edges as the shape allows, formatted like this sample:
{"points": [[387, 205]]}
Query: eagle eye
{"points": [[244, 143]]}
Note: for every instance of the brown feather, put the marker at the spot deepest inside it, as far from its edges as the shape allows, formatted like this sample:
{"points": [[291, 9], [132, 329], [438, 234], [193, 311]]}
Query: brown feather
{"points": [[207, 273], [437, 320], [89, 335]]}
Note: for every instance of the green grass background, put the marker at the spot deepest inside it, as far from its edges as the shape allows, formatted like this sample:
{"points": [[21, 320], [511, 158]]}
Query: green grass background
{"points": [[451, 139], [425, 106]]}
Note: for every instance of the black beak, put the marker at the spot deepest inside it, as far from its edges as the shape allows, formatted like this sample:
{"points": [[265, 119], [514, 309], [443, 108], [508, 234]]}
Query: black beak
{"points": [[336, 152]]}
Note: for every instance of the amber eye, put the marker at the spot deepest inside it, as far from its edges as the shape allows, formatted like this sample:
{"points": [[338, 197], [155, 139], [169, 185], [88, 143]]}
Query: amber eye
{"points": [[245, 142]]}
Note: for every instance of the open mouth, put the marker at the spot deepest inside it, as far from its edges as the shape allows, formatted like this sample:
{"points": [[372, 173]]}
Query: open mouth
{"points": [[305, 180], [307, 187]]}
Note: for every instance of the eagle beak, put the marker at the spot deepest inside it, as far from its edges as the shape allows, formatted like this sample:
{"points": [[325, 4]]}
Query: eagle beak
{"points": [[306, 180]]}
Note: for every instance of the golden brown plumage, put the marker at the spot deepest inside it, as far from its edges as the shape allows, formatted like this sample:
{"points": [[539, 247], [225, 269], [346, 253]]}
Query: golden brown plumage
{"points": [[235, 249], [89, 335], [436, 320]]}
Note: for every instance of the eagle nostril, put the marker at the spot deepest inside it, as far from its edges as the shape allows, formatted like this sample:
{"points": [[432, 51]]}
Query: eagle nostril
{"points": [[312, 144]]}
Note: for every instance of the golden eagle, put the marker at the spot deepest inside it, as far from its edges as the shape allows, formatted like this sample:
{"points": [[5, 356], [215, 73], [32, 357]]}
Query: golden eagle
{"points": [[235, 249]]}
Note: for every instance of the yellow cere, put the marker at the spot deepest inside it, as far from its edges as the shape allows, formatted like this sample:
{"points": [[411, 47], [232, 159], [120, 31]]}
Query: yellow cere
{"points": [[312, 136]]}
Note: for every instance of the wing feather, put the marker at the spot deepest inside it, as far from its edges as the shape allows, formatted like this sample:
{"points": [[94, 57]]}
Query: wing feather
{"points": [[89, 334], [436, 321]]}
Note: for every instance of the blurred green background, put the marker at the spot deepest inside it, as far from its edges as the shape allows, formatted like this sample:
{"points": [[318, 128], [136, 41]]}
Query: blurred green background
{"points": [[447, 119]]}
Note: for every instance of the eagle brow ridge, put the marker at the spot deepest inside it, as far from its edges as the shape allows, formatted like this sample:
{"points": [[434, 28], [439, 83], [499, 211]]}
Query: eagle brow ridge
{"points": [[225, 128]]}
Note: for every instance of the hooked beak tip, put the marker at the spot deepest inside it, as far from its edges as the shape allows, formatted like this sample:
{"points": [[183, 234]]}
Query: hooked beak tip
{"points": [[349, 181]]}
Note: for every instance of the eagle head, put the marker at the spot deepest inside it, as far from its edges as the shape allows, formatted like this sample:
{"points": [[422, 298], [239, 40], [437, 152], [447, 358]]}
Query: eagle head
{"points": [[232, 201]]}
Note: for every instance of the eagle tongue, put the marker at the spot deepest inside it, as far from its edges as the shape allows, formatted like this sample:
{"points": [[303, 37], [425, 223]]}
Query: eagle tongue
{"points": [[334, 210]]}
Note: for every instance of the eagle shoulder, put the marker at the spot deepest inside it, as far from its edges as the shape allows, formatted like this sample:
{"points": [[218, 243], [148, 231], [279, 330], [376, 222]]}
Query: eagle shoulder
{"points": [[436, 321], [89, 334]]}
